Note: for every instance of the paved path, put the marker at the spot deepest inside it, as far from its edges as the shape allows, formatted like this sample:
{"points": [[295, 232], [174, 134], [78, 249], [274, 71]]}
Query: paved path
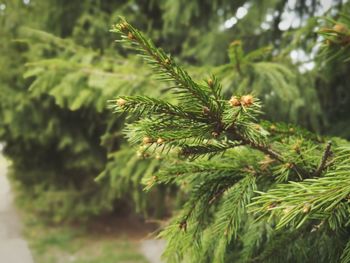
{"points": [[13, 248], [152, 250]]}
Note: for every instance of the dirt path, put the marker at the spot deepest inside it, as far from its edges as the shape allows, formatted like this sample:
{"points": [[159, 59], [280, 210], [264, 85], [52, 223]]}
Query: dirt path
{"points": [[13, 248]]}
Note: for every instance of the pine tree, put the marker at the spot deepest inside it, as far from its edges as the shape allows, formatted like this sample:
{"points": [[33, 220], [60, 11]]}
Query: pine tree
{"points": [[62, 72], [256, 191]]}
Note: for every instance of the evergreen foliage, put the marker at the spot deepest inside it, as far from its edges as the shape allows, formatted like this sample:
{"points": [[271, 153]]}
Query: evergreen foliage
{"points": [[75, 84], [267, 193], [55, 124], [59, 66]]}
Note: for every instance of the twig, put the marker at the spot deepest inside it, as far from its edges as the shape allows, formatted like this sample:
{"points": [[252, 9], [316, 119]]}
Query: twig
{"points": [[217, 195], [327, 152], [269, 151]]}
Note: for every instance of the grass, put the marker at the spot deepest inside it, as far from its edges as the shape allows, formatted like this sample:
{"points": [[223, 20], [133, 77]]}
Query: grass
{"points": [[75, 244]]}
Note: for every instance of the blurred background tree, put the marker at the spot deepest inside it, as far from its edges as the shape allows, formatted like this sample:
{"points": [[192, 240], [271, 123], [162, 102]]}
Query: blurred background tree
{"points": [[60, 65]]}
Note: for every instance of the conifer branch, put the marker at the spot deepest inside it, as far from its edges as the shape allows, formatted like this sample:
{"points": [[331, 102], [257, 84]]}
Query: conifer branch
{"points": [[270, 152], [203, 123], [345, 257], [167, 67], [229, 218], [211, 105], [143, 105], [296, 202], [207, 149]]}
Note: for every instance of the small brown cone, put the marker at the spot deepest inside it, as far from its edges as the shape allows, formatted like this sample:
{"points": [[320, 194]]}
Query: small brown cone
{"points": [[206, 110], [160, 141], [123, 26], [236, 43], [131, 36], [121, 102], [340, 28], [306, 208], [215, 134], [247, 100], [234, 101], [147, 140]]}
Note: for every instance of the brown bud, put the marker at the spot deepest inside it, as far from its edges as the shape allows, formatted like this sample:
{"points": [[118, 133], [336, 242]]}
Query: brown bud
{"points": [[131, 36], [166, 61], [236, 43], [306, 208], [247, 100], [210, 82], [160, 141], [154, 178], [206, 110], [123, 26], [289, 165], [340, 28], [234, 101], [183, 225], [215, 134], [147, 140], [121, 102]]}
